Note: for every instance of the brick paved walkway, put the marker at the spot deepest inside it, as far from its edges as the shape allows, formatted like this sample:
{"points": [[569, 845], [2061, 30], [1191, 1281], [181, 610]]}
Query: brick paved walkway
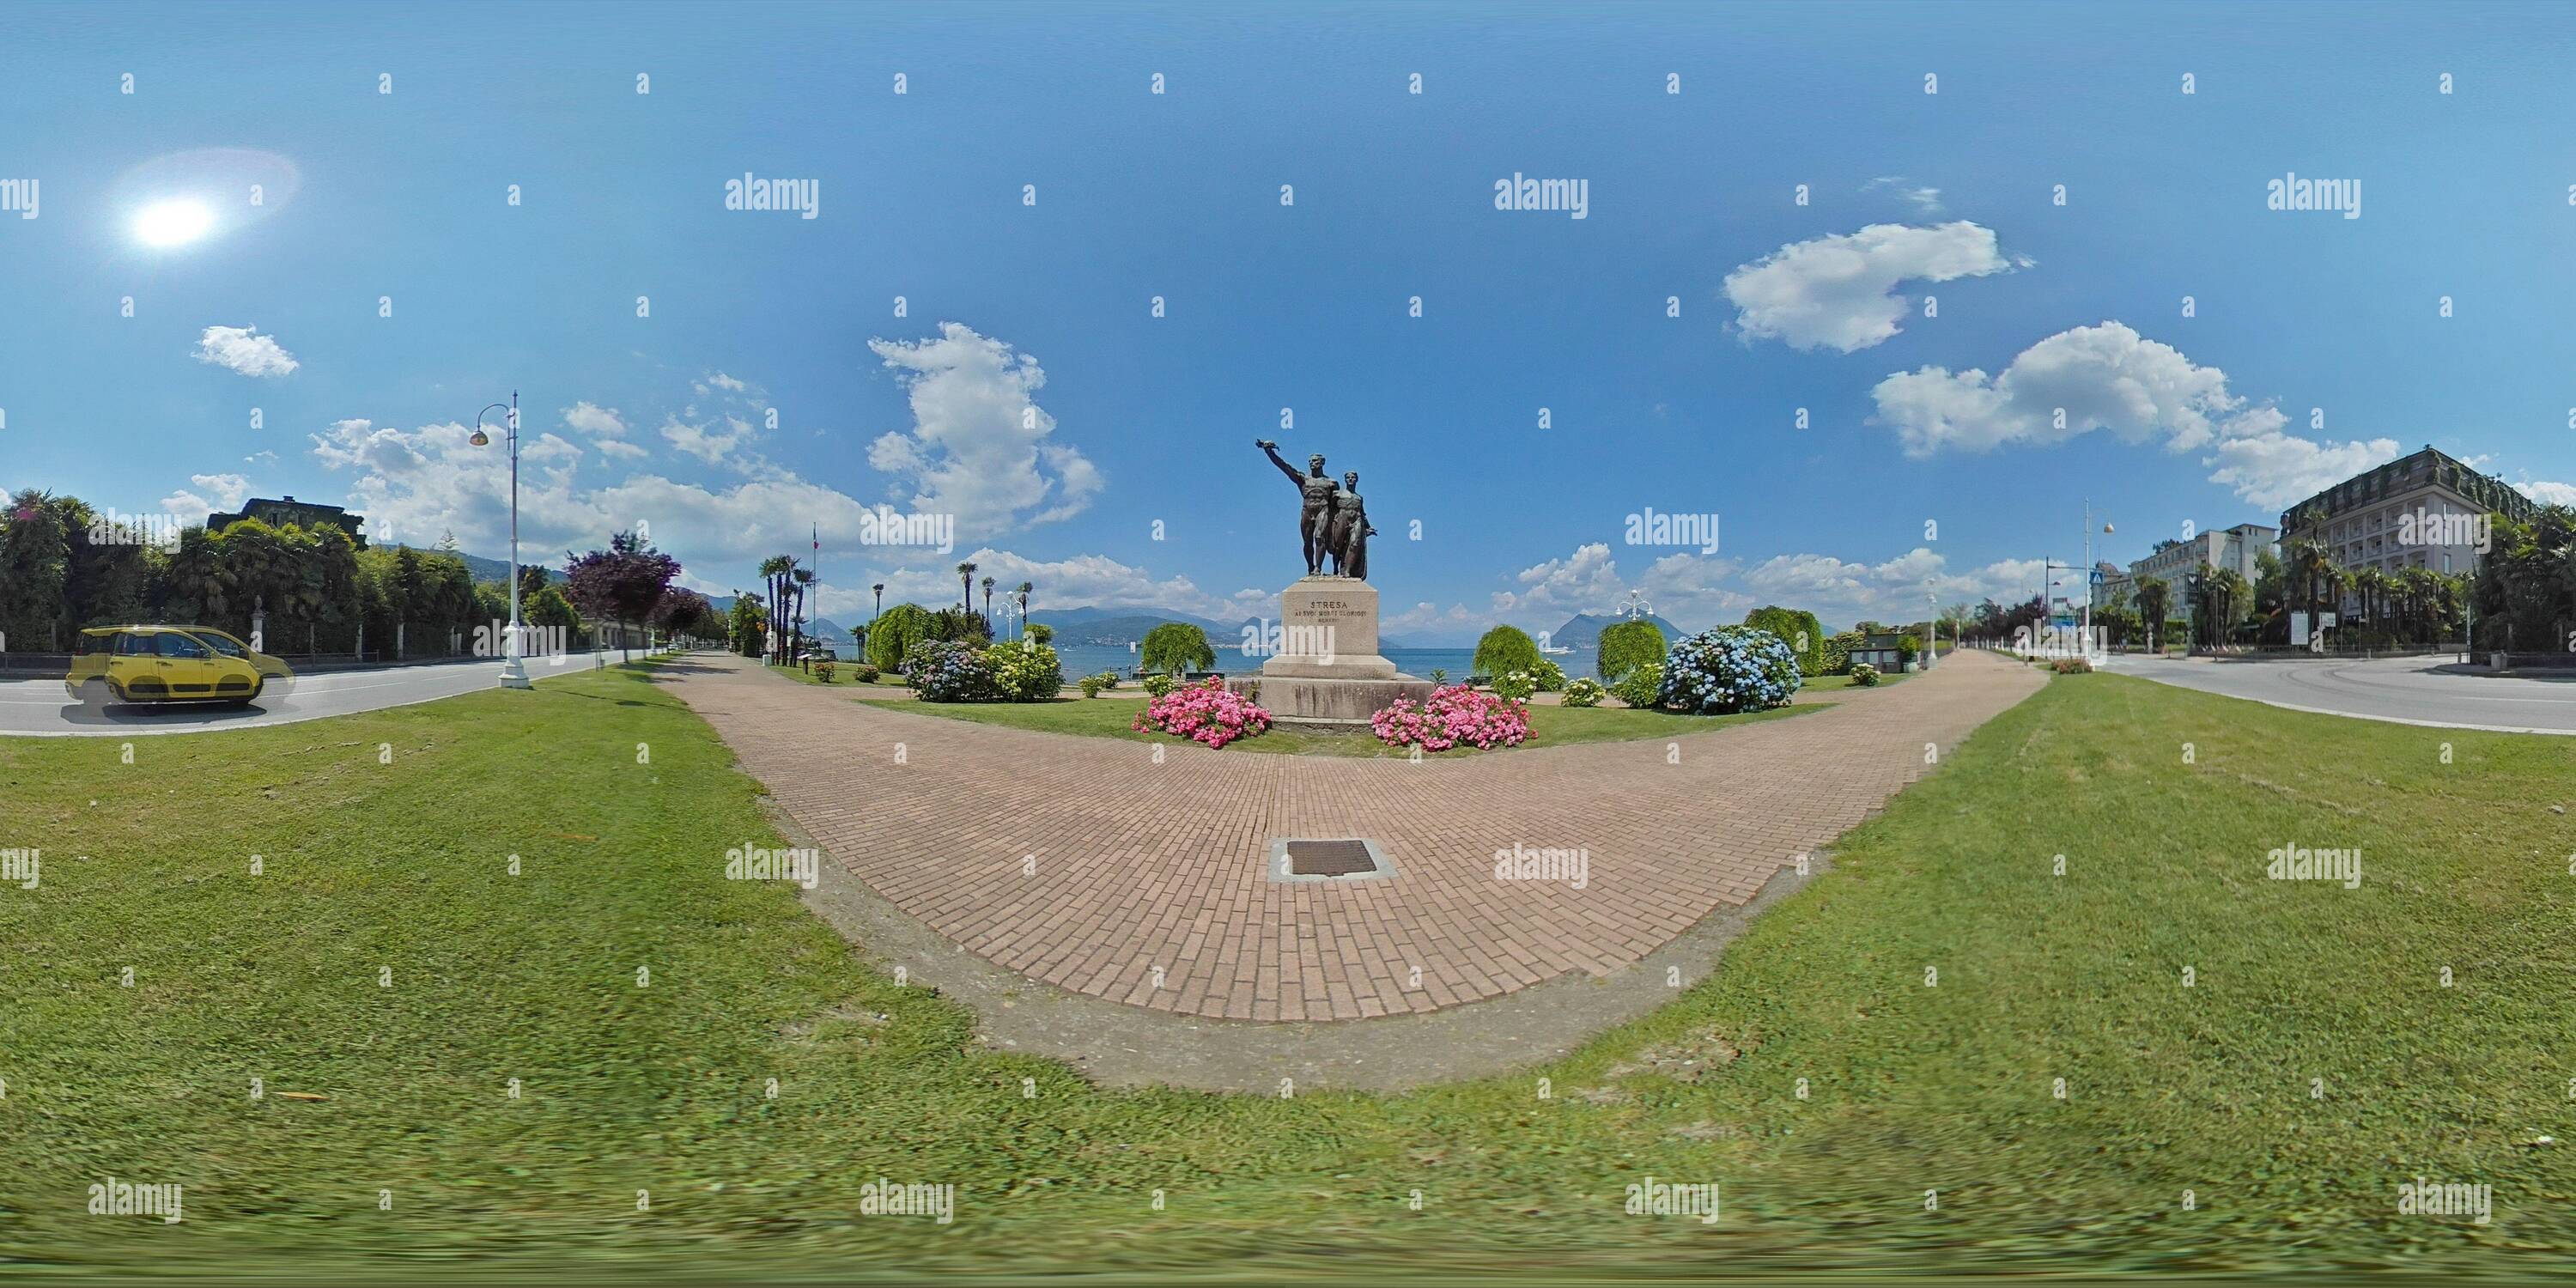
{"points": [[1141, 866]]}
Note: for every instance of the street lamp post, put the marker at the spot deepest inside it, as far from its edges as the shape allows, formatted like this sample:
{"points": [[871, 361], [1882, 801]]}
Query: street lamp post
{"points": [[514, 667]]}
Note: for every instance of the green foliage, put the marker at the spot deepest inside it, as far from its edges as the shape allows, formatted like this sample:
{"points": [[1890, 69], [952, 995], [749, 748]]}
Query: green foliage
{"points": [[897, 629], [1641, 685], [1092, 685], [1025, 672], [1864, 676], [1175, 647], [1439, 675], [1506, 648], [1906, 647], [959, 625], [864, 673], [1160, 685], [1515, 686], [1796, 628], [824, 671], [1838, 651], [1625, 646], [746, 623], [1585, 693], [1038, 633], [1550, 676]]}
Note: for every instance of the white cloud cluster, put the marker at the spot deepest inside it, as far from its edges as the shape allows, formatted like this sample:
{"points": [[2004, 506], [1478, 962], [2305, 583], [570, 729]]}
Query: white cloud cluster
{"points": [[979, 448], [206, 494], [2111, 378], [1839, 292], [1696, 590], [240, 349], [1095, 580]]}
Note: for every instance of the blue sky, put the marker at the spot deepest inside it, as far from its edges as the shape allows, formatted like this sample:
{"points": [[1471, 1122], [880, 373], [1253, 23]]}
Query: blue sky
{"points": [[1029, 392]]}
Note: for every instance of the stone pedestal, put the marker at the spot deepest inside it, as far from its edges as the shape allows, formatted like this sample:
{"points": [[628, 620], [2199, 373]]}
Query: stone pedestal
{"points": [[1324, 668]]}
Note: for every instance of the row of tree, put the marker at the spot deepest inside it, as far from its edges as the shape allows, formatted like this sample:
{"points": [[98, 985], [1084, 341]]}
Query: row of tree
{"points": [[306, 591]]}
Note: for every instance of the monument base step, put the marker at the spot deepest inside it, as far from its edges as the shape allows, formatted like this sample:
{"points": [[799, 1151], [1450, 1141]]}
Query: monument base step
{"points": [[1333, 703]]}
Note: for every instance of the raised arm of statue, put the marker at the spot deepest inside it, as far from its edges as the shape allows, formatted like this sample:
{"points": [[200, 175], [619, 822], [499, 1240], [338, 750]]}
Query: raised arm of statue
{"points": [[1272, 449]]}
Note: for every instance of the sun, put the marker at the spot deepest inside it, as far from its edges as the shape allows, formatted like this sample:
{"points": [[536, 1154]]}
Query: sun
{"points": [[173, 223]]}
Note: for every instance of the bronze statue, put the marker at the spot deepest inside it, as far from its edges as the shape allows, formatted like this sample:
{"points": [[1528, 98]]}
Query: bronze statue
{"points": [[1314, 522], [1350, 529]]}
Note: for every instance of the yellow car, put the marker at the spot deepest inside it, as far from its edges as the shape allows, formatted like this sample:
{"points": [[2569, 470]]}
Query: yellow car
{"points": [[161, 664], [270, 669]]}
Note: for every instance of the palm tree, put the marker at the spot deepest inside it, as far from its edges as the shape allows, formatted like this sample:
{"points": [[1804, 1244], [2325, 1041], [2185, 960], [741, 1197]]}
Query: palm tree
{"points": [[2306, 562], [879, 588], [966, 584], [2151, 594], [2230, 589], [774, 571], [1025, 588], [804, 579], [988, 605]]}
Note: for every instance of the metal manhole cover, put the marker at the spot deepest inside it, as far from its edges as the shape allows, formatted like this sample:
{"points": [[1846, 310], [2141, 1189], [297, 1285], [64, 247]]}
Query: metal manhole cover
{"points": [[1327, 859]]}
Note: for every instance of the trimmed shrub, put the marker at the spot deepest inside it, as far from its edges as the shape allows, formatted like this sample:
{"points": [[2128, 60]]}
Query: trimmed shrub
{"points": [[1175, 647], [1727, 669], [864, 673], [1506, 648], [1796, 628], [948, 671], [1906, 647], [1838, 651], [1160, 685], [1641, 686], [2071, 666], [1025, 672], [1515, 686], [1864, 675], [1451, 717], [963, 625], [1038, 633], [897, 629], [1585, 693], [1550, 676], [1204, 712], [1625, 646], [1090, 685], [823, 671]]}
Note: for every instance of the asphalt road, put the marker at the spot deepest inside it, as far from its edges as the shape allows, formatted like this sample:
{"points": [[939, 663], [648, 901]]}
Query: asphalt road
{"points": [[40, 708], [2432, 691]]}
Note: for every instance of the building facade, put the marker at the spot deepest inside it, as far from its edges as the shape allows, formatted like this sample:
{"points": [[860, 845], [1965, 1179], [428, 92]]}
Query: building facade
{"points": [[285, 510], [2428, 510], [2175, 563]]}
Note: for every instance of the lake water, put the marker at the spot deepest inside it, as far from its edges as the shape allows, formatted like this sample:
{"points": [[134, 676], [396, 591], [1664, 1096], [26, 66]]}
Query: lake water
{"points": [[1091, 659]]}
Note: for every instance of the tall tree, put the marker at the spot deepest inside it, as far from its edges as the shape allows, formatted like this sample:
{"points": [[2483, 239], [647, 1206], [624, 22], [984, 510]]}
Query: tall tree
{"points": [[966, 585], [35, 562], [622, 583], [2152, 595]]}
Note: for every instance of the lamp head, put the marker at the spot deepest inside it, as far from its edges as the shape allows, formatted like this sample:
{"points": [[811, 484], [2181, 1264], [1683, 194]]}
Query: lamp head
{"points": [[479, 438]]}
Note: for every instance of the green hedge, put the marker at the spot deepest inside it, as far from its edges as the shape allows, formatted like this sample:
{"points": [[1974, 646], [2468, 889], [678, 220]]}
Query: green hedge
{"points": [[1796, 628], [1625, 646], [1506, 649]]}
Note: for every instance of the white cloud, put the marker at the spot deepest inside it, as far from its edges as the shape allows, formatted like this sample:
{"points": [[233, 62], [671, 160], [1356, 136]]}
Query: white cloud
{"points": [[228, 492], [1094, 580], [2548, 493], [1925, 198], [2275, 470], [619, 449], [239, 349], [726, 446], [2110, 377], [979, 448], [1839, 292], [594, 420]]}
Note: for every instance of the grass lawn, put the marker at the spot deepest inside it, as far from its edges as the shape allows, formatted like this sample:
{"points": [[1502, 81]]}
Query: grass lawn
{"points": [[841, 678], [1112, 715], [372, 867], [1845, 681]]}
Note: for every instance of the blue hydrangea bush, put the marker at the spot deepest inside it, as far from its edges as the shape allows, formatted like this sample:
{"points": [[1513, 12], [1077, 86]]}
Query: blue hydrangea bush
{"points": [[1727, 669]]}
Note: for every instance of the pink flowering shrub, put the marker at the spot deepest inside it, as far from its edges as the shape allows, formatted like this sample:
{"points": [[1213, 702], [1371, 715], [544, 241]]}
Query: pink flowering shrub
{"points": [[1206, 713], [1451, 717]]}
